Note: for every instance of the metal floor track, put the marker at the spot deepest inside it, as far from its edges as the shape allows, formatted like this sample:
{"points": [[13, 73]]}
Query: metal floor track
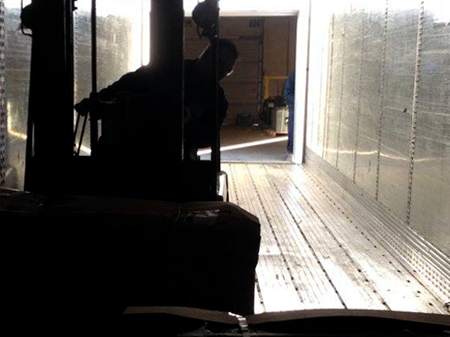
{"points": [[315, 252]]}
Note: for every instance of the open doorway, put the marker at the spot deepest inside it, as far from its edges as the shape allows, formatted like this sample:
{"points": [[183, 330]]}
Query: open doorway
{"points": [[256, 126]]}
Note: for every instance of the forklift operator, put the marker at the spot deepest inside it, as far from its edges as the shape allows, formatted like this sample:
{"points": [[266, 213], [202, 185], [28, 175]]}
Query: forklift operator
{"points": [[198, 93]]}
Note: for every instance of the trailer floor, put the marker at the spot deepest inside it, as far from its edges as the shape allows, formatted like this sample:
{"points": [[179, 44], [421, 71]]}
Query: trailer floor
{"points": [[315, 250], [250, 144]]}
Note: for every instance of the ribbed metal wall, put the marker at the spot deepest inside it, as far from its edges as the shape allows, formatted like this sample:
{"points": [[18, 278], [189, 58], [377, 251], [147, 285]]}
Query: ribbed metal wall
{"points": [[119, 51], [3, 121], [17, 59], [119, 36], [430, 209], [387, 118]]}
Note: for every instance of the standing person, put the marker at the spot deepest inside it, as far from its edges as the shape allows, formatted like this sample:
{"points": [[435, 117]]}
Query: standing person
{"points": [[289, 96], [198, 93]]}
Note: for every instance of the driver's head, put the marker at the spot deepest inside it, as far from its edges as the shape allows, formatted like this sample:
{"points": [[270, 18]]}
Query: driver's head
{"points": [[228, 56]]}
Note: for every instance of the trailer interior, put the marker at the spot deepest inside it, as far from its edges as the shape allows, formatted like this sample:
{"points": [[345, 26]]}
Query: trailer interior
{"points": [[349, 236]]}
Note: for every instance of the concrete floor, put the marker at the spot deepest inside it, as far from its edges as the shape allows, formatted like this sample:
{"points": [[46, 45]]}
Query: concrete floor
{"points": [[250, 144]]}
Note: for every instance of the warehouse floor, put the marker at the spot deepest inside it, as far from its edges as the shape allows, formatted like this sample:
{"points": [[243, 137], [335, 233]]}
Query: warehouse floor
{"points": [[250, 144], [317, 249]]}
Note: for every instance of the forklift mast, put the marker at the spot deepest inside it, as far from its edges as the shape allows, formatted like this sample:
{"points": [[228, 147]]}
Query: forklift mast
{"points": [[50, 124]]}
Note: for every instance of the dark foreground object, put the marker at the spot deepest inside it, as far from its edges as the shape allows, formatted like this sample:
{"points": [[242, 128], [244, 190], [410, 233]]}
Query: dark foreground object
{"points": [[189, 322], [73, 258]]}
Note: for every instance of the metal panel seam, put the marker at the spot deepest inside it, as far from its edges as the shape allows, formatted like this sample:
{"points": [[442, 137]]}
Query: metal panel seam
{"points": [[415, 109], [358, 109], [382, 94], [342, 91], [326, 127]]}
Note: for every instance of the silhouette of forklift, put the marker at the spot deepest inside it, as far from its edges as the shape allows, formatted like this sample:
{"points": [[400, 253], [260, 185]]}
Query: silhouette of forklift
{"points": [[93, 235], [152, 120]]}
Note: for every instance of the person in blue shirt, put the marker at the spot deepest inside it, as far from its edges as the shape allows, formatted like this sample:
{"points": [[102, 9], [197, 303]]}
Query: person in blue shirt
{"points": [[289, 96]]}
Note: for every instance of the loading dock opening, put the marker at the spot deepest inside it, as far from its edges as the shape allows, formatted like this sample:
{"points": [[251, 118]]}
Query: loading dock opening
{"points": [[266, 46]]}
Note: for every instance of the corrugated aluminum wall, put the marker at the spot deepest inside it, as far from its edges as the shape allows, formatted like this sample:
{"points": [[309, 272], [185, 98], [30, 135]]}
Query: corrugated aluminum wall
{"points": [[119, 40], [3, 121], [17, 58], [120, 34], [384, 120]]}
